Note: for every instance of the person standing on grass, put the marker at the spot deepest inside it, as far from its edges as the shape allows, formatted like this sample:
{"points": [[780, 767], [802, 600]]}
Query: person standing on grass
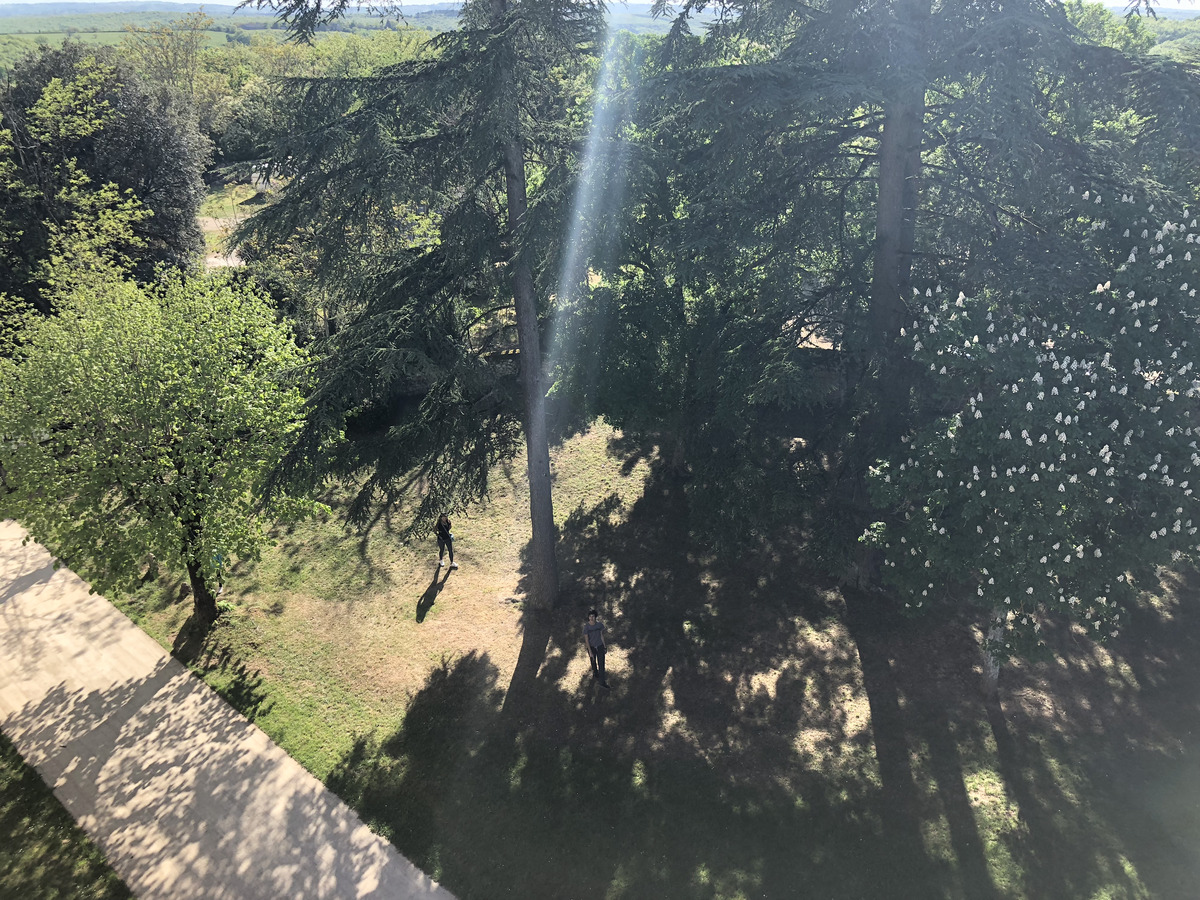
{"points": [[445, 539], [219, 563], [593, 639]]}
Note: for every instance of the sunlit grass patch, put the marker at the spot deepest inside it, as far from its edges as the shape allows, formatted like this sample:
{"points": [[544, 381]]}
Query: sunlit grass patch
{"points": [[225, 201]]}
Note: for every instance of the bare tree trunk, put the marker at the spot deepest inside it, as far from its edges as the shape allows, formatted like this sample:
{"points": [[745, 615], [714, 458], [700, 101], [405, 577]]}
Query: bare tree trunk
{"points": [[991, 662], [204, 604], [896, 207], [543, 563]]}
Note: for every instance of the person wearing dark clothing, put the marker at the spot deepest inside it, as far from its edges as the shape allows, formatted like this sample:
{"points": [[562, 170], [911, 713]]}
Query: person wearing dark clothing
{"points": [[593, 639], [445, 539]]}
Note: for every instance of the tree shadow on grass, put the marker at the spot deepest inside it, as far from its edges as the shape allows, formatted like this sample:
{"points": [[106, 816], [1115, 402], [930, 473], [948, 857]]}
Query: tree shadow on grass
{"points": [[1126, 715], [722, 762], [200, 648], [1081, 781], [314, 552], [498, 814], [770, 736], [747, 748], [1022, 812], [44, 853], [872, 626], [191, 639]]}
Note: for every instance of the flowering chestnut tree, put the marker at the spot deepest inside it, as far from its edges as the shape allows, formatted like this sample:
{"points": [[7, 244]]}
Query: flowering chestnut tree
{"points": [[1062, 471]]}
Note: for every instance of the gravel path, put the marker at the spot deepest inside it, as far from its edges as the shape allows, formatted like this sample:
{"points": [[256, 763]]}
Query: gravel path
{"points": [[185, 796]]}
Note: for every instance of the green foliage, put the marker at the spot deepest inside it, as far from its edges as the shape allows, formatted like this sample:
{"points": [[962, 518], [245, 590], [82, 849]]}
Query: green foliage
{"points": [[232, 88], [252, 105], [395, 202], [1174, 35], [169, 54], [1128, 34], [1058, 474], [407, 382], [695, 319], [78, 134], [734, 240], [144, 419]]}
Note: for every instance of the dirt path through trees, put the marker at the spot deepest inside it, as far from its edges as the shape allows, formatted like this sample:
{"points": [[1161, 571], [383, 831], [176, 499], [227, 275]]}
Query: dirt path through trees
{"points": [[222, 256]]}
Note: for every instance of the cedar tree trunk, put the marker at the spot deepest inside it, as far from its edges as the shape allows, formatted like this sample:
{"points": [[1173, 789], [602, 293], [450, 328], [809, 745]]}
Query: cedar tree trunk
{"points": [[896, 208], [991, 662], [543, 564]]}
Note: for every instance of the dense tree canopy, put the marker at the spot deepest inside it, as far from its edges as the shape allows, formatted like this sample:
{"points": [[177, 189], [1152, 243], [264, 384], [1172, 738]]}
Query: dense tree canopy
{"points": [[712, 240], [783, 182], [1059, 475], [431, 190], [724, 266], [72, 120]]}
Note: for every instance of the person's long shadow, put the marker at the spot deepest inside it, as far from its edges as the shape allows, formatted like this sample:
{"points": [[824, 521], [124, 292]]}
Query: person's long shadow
{"points": [[430, 596]]}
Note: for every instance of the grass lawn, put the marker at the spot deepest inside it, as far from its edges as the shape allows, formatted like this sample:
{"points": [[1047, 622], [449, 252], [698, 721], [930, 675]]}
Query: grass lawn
{"points": [[225, 202], [44, 855], [767, 734], [223, 210]]}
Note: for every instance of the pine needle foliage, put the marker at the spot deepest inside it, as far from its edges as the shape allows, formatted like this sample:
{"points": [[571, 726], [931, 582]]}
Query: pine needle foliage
{"points": [[395, 183], [780, 117]]}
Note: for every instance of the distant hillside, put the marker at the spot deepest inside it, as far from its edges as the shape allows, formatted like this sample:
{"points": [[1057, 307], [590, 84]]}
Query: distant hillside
{"points": [[46, 22], [218, 10], [1186, 12], [167, 9], [172, 10]]}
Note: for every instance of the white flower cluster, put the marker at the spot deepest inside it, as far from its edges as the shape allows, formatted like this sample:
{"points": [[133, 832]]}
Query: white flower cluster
{"points": [[1069, 462]]}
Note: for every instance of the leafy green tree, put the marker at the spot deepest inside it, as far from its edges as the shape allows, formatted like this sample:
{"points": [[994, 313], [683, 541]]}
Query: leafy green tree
{"points": [[1063, 467], [1175, 38], [74, 117], [1100, 26], [144, 419], [170, 53]]}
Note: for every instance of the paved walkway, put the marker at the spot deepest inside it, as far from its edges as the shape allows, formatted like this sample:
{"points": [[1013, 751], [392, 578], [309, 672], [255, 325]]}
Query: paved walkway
{"points": [[185, 796]]}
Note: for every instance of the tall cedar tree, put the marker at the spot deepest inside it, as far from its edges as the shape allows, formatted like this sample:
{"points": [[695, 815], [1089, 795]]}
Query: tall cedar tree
{"points": [[836, 174], [414, 185]]}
